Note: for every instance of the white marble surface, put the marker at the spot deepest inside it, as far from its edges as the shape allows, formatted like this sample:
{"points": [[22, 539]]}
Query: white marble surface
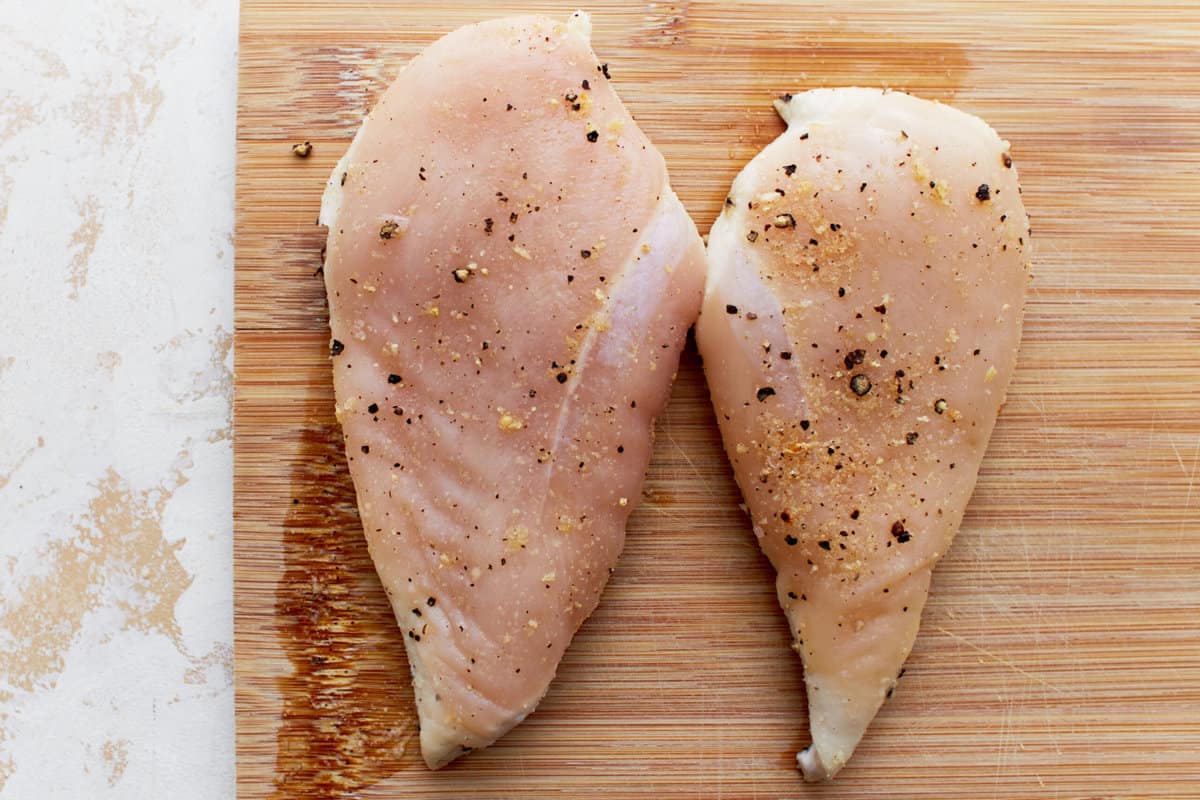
{"points": [[116, 273]]}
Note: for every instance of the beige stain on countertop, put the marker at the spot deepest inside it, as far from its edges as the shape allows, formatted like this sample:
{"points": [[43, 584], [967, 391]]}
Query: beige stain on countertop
{"points": [[119, 540], [8, 476], [6, 189], [6, 764], [108, 361], [83, 243], [121, 105], [119, 555], [113, 569], [116, 757], [214, 378], [15, 116], [221, 658]]}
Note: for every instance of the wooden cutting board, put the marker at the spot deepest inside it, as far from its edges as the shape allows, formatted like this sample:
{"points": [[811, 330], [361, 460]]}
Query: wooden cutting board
{"points": [[1060, 652]]}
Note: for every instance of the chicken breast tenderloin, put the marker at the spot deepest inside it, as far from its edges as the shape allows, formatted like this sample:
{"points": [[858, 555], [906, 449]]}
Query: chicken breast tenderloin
{"points": [[510, 283], [860, 325]]}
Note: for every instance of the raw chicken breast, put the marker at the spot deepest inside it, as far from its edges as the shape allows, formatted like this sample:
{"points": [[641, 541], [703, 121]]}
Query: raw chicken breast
{"points": [[860, 325], [510, 282]]}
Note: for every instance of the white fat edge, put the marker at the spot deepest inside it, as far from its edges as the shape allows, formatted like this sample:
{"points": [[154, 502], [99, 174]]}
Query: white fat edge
{"points": [[865, 106], [731, 222], [580, 23], [331, 198], [811, 766], [720, 245], [816, 104], [728, 251], [663, 240], [670, 204]]}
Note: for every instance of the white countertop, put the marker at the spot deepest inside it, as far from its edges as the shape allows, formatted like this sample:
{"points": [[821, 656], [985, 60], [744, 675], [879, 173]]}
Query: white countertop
{"points": [[116, 275]]}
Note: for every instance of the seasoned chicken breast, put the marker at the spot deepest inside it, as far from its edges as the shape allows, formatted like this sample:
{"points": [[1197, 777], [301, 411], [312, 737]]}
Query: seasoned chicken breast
{"points": [[860, 324], [510, 283]]}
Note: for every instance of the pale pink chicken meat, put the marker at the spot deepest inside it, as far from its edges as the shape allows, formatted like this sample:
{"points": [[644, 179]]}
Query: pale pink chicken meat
{"points": [[860, 326], [510, 280]]}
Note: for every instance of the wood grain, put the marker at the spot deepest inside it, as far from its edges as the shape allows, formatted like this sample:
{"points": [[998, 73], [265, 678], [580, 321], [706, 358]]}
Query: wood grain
{"points": [[1060, 653]]}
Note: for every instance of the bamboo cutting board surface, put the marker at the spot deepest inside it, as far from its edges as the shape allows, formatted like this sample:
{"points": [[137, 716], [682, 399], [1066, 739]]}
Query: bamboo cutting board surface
{"points": [[1060, 651]]}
